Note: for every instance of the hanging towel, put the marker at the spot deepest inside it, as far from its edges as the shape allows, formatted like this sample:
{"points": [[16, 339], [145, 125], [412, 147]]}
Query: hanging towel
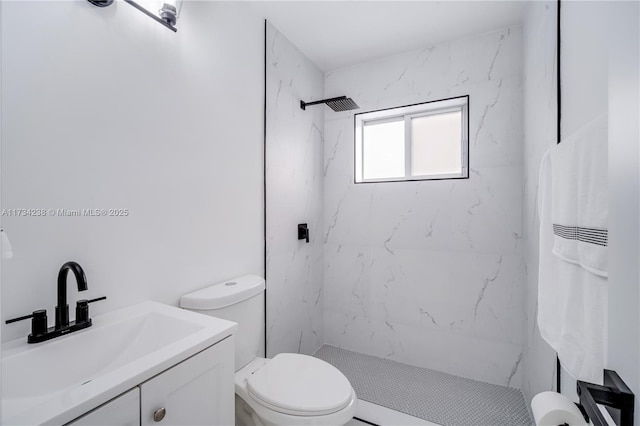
{"points": [[579, 203], [572, 302]]}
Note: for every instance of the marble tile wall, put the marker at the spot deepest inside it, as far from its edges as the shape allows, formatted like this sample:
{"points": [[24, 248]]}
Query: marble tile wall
{"points": [[540, 126], [431, 273], [294, 190]]}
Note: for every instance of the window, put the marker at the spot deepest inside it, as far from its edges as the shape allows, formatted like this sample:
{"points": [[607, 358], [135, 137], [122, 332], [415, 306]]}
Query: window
{"points": [[415, 142]]}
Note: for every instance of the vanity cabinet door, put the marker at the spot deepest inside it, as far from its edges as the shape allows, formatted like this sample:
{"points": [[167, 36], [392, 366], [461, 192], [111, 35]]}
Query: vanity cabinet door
{"points": [[121, 411], [198, 391]]}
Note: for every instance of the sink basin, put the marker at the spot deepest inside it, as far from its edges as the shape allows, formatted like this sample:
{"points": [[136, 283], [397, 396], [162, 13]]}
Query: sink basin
{"points": [[58, 380]]}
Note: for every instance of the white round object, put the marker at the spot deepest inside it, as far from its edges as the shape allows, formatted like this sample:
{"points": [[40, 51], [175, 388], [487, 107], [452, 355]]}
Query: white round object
{"points": [[300, 385], [551, 408]]}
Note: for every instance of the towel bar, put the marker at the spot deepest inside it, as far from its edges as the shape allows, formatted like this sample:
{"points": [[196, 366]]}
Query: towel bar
{"points": [[615, 395]]}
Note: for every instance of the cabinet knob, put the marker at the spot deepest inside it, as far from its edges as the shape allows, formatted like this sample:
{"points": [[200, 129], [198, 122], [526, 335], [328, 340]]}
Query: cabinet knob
{"points": [[159, 414]]}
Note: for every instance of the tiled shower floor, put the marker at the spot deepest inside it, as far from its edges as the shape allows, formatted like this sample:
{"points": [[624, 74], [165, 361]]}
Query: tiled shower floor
{"points": [[428, 394]]}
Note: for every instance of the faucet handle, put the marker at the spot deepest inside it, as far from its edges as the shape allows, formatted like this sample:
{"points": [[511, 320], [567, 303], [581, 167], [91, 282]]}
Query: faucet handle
{"points": [[12, 320], [82, 309], [38, 321]]}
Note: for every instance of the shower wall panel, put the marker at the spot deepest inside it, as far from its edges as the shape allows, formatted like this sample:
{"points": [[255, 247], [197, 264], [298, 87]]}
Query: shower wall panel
{"points": [[430, 273], [294, 164]]}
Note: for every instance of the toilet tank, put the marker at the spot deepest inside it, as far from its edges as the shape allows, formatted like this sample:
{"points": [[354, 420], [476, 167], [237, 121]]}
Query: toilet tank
{"points": [[240, 300]]}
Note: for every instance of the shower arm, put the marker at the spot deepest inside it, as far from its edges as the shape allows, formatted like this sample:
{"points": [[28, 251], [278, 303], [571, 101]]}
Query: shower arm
{"points": [[304, 104]]}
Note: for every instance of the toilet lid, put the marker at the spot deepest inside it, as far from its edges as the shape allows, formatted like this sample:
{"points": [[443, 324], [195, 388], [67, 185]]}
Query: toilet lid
{"points": [[300, 385]]}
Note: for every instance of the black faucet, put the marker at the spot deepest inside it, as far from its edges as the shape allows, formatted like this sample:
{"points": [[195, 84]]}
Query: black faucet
{"points": [[62, 308], [39, 330]]}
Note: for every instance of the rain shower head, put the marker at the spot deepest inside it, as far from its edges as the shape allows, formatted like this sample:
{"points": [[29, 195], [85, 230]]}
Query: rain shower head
{"points": [[341, 103]]}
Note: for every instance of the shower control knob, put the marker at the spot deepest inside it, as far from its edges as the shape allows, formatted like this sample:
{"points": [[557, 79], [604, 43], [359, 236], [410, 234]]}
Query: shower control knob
{"points": [[159, 414]]}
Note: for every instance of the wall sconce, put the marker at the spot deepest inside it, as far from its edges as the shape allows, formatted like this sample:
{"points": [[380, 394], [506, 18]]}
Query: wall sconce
{"points": [[168, 10]]}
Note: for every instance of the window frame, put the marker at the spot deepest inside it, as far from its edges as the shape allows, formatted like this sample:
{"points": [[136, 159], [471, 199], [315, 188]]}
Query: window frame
{"points": [[407, 113]]}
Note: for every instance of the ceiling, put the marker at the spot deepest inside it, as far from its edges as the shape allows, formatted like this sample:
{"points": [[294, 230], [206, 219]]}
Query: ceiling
{"points": [[335, 34]]}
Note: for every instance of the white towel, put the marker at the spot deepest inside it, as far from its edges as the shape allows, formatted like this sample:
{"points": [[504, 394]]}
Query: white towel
{"points": [[572, 302], [579, 205]]}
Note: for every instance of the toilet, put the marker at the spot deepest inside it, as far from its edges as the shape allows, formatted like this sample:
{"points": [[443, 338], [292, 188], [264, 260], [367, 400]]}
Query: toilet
{"points": [[289, 389]]}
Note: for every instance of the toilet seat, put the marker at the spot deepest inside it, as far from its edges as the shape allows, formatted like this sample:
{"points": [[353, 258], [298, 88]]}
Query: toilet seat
{"points": [[300, 385]]}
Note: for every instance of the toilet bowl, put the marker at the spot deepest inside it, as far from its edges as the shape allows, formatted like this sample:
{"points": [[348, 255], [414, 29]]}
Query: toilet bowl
{"points": [[292, 389], [287, 390]]}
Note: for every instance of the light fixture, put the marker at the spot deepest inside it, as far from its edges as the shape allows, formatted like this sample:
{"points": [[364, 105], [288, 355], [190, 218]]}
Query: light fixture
{"points": [[168, 10]]}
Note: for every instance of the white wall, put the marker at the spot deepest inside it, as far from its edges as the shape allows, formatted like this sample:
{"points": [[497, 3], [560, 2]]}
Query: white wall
{"points": [[583, 63], [540, 124], [1, 250], [584, 83], [624, 183], [105, 108], [600, 68], [294, 157], [430, 273], [599, 74]]}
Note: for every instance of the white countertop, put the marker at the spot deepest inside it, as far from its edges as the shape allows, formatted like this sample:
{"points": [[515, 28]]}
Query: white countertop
{"points": [[58, 380]]}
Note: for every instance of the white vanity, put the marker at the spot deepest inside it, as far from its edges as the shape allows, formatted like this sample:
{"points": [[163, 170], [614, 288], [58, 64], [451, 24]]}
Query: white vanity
{"points": [[142, 365]]}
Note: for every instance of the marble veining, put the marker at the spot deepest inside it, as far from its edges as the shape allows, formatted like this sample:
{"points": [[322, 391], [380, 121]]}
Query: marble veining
{"points": [[514, 370], [486, 110], [294, 187], [495, 56], [435, 274], [430, 273], [487, 281]]}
